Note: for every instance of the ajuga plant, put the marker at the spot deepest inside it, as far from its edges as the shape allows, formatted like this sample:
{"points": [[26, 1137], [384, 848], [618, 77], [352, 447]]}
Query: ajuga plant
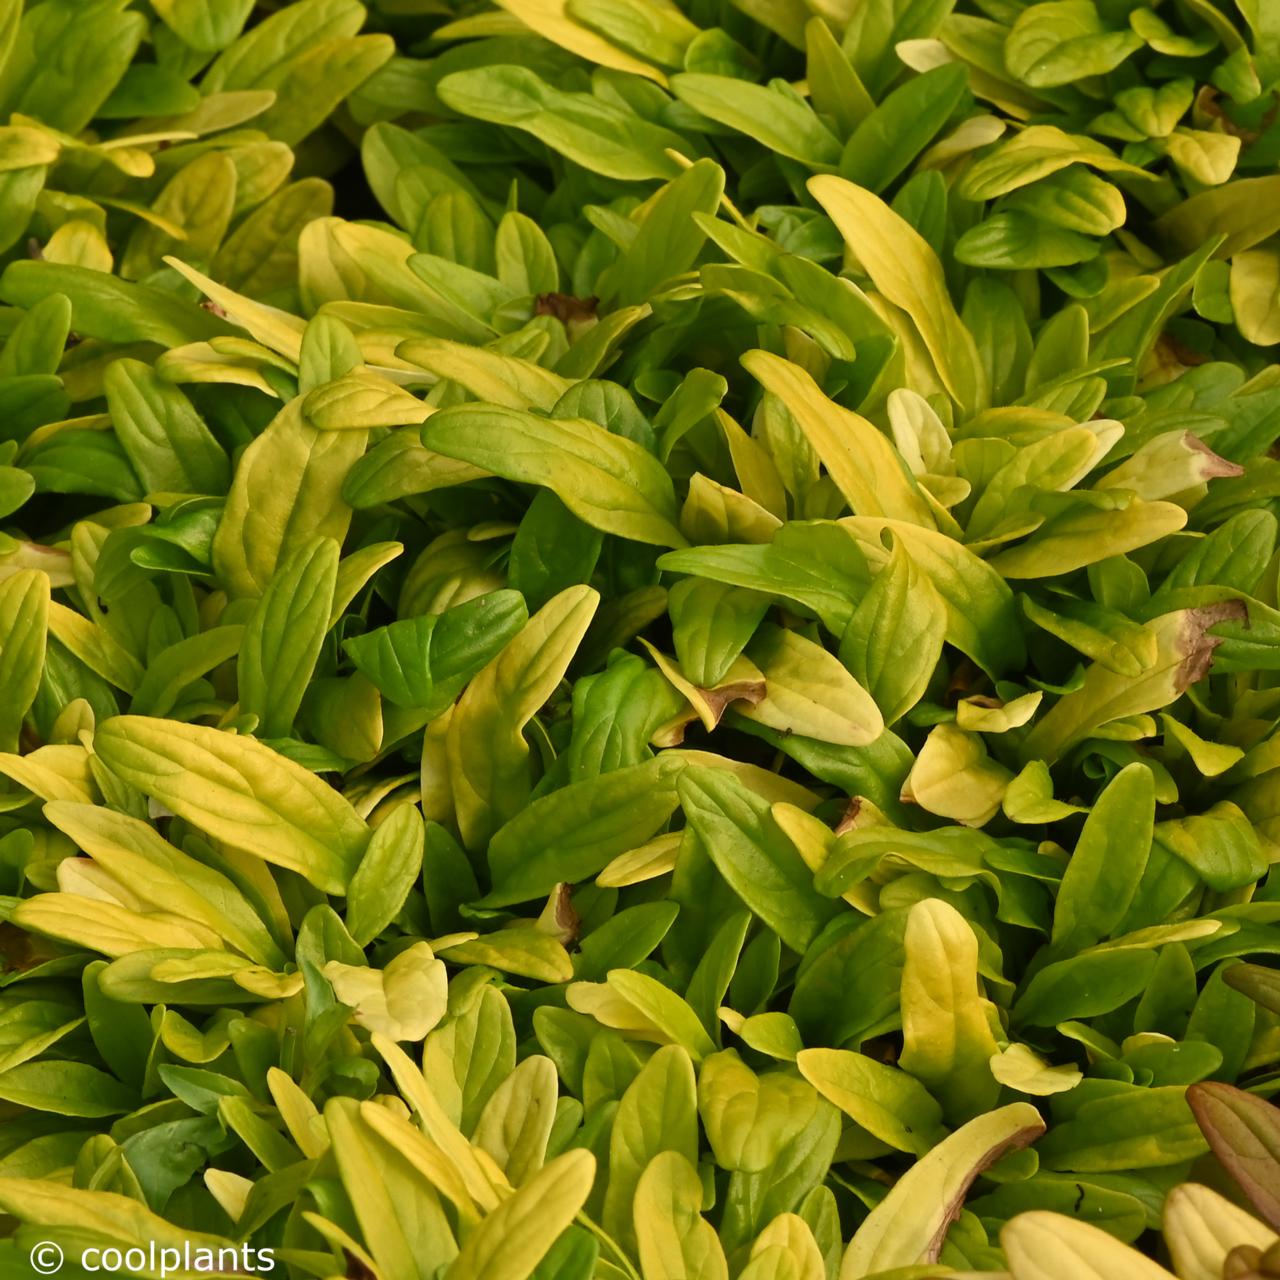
{"points": [[639, 640]]}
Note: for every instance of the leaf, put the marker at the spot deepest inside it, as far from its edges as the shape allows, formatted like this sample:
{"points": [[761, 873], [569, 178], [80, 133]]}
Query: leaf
{"points": [[669, 240], [1107, 864], [1045, 1246], [1062, 41], [981, 616], [241, 792], [602, 137], [808, 691], [954, 777], [388, 870], [115, 310], [403, 1001], [286, 491], [946, 1021], [1244, 1133], [780, 121], [657, 1113], [24, 625], [909, 1224], [66, 1089], [1184, 652], [1131, 1129], [569, 835], [514, 1238], [894, 639], [485, 747], [886, 141], [864, 465], [753, 855], [889, 1103], [167, 879], [1083, 987], [425, 661], [906, 271], [674, 1240], [1201, 1227], [284, 634], [607, 481], [169, 446]]}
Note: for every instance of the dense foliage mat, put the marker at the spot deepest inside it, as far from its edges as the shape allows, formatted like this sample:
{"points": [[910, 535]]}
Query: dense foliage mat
{"points": [[640, 641]]}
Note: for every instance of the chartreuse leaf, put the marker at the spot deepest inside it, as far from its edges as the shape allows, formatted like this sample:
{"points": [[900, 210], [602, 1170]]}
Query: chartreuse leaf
{"points": [[947, 1034], [906, 271], [398, 1210], [807, 691], [287, 490], [485, 748], [169, 880], [511, 1242], [240, 792], [908, 1226], [673, 1238], [169, 446], [606, 480], [24, 626], [863, 463], [889, 1103], [391, 864], [747, 1117], [658, 1113], [1045, 1246], [403, 1001], [1183, 654]]}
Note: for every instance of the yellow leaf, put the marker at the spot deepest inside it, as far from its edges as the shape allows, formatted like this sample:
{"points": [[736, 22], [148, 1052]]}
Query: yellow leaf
{"points": [[905, 269]]}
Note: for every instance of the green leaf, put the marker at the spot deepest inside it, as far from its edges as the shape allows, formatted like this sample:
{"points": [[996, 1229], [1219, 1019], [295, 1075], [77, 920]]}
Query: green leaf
{"points": [[780, 121], [1062, 41], [886, 141], [284, 634], [753, 855], [1107, 864], [894, 639], [598, 135], [425, 661], [570, 835], [487, 755]]}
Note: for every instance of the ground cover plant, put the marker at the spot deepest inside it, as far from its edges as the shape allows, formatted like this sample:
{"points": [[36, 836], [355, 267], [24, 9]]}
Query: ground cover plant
{"points": [[639, 640]]}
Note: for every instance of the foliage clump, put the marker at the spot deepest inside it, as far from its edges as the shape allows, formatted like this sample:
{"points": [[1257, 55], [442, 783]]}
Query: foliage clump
{"points": [[638, 640]]}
